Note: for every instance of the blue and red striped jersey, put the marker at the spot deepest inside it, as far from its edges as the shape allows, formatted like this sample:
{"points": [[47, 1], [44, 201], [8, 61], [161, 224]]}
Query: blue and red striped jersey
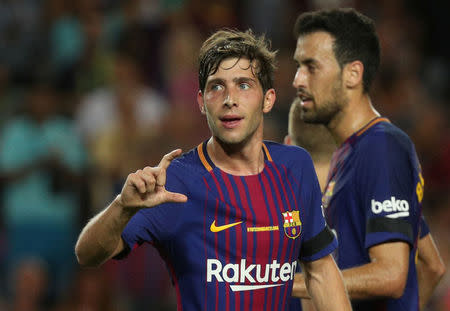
{"points": [[373, 195], [234, 245]]}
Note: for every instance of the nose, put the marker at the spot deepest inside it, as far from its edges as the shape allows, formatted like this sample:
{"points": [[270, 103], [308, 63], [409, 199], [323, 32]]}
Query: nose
{"points": [[299, 78], [229, 100]]}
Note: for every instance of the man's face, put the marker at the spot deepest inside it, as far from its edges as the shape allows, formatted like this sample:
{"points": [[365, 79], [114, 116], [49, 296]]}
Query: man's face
{"points": [[318, 79], [234, 103]]}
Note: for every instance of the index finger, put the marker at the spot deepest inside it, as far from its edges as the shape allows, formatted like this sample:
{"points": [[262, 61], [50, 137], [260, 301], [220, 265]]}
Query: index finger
{"points": [[168, 158]]}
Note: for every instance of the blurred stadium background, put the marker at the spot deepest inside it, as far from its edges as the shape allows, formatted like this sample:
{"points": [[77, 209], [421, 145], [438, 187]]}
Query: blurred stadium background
{"points": [[93, 89]]}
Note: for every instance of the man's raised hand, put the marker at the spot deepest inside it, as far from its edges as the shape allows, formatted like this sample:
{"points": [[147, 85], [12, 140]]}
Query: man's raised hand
{"points": [[146, 187]]}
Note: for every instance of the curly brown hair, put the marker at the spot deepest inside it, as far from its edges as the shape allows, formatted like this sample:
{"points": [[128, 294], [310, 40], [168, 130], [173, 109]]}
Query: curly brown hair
{"points": [[228, 43]]}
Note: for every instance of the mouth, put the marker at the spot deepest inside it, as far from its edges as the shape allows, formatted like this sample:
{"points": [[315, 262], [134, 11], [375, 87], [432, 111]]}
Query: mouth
{"points": [[306, 100], [231, 121]]}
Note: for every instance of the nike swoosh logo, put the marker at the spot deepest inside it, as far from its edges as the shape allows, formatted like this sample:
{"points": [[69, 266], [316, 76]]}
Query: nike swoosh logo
{"points": [[215, 228]]}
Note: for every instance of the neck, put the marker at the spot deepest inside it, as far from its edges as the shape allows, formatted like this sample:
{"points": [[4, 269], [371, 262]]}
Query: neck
{"points": [[246, 158], [353, 117], [322, 168]]}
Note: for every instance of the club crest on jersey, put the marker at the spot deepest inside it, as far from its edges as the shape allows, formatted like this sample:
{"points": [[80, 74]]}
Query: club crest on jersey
{"points": [[292, 224], [328, 194]]}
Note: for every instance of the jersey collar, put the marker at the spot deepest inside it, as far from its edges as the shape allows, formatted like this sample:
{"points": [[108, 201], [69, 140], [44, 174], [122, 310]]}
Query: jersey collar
{"points": [[209, 164]]}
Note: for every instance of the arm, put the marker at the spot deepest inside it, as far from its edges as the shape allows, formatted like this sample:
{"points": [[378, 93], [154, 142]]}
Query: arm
{"points": [[430, 268], [384, 276], [324, 284], [101, 239]]}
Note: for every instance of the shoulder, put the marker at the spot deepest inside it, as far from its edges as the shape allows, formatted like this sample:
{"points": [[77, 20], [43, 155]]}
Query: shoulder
{"points": [[281, 151], [385, 137], [288, 154], [186, 166]]}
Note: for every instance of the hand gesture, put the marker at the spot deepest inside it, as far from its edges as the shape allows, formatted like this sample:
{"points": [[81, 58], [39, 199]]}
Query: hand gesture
{"points": [[146, 187]]}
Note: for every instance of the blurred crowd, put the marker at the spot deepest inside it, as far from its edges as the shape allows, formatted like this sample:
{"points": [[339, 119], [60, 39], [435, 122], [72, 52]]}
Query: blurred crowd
{"points": [[91, 90]]}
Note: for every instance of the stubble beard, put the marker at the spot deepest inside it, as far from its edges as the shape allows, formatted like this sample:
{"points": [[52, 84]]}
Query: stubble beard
{"points": [[328, 110]]}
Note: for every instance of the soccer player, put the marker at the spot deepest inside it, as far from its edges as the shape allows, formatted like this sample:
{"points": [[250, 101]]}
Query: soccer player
{"points": [[317, 140], [374, 189], [232, 216]]}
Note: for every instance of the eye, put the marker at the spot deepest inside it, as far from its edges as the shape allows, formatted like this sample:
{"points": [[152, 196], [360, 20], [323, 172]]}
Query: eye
{"points": [[216, 87], [244, 86], [311, 68]]}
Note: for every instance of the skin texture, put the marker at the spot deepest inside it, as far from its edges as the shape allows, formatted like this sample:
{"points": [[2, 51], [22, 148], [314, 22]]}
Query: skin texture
{"points": [[337, 94], [318, 79], [430, 269], [234, 104]]}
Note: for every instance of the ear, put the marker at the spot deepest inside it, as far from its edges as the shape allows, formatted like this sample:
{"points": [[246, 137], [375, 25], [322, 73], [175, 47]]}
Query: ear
{"points": [[269, 100], [353, 74], [287, 140], [200, 102]]}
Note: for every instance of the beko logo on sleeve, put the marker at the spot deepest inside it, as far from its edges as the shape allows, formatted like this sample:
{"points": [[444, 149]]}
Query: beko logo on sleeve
{"points": [[395, 208]]}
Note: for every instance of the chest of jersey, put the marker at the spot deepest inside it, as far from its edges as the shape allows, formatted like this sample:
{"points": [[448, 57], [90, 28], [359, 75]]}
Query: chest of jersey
{"points": [[242, 235]]}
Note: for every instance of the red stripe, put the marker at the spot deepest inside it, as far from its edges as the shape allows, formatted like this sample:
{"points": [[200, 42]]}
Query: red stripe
{"points": [[257, 199], [275, 234], [238, 231], [227, 248], [250, 220], [204, 241]]}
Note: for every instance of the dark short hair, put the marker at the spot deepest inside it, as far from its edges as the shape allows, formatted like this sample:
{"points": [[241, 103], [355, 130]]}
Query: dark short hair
{"points": [[354, 34], [232, 43]]}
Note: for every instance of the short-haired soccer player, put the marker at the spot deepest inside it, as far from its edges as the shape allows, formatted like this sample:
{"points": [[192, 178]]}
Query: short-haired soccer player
{"points": [[232, 216], [374, 190]]}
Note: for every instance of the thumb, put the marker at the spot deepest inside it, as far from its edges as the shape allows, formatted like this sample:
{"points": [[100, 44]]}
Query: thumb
{"points": [[175, 197]]}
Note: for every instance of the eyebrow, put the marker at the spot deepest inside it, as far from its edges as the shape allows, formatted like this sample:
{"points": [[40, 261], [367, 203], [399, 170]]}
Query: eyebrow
{"points": [[235, 80], [307, 61]]}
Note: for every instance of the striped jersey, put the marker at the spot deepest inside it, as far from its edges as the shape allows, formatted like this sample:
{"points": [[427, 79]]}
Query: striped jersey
{"points": [[373, 195], [234, 244]]}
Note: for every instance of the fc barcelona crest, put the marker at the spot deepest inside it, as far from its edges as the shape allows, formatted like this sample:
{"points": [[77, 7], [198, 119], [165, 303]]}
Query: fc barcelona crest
{"points": [[292, 224]]}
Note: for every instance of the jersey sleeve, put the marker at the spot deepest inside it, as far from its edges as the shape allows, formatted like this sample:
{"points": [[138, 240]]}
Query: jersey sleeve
{"points": [[154, 225], [318, 240], [387, 193]]}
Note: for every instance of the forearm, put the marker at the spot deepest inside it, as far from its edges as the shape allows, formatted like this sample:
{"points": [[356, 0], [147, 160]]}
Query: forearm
{"points": [[430, 269], [361, 283], [325, 286], [372, 280], [101, 237], [427, 282], [299, 287]]}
